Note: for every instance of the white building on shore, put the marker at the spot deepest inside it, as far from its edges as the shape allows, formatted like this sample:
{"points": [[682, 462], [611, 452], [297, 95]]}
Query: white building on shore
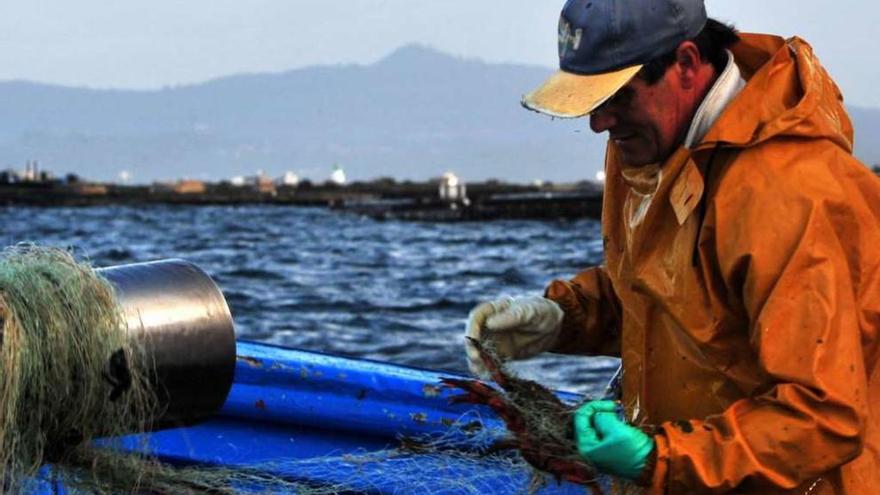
{"points": [[452, 189], [338, 175], [288, 179]]}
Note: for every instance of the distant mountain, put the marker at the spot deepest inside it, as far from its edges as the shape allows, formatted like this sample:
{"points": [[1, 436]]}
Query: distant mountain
{"points": [[414, 114]]}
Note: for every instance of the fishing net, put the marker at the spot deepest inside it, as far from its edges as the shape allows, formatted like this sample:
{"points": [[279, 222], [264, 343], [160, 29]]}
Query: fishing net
{"points": [[70, 375], [74, 385], [541, 426]]}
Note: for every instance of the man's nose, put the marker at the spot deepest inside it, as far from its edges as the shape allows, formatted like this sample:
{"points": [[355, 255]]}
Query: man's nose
{"points": [[601, 120]]}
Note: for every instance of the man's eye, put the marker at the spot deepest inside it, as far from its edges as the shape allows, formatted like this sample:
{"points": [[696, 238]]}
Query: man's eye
{"points": [[622, 98]]}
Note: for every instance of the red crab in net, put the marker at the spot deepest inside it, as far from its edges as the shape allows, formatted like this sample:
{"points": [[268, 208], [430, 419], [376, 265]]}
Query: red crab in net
{"points": [[541, 424]]}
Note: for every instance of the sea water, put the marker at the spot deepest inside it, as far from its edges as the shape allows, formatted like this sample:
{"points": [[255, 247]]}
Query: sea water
{"points": [[339, 283]]}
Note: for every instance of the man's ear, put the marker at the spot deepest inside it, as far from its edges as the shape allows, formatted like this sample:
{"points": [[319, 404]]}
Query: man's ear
{"points": [[687, 58]]}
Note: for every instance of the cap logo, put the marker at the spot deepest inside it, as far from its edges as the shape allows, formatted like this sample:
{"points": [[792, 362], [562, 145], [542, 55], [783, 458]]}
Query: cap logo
{"points": [[567, 38]]}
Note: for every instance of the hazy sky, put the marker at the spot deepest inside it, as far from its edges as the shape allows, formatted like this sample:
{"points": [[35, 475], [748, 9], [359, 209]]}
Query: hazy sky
{"points": [[152, 43]]}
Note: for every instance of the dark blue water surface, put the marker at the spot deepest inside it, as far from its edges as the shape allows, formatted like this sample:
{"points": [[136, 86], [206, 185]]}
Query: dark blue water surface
{"points": [[338, 283]]}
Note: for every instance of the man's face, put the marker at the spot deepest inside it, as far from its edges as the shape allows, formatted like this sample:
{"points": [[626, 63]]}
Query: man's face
{"points": [[646, 122]]}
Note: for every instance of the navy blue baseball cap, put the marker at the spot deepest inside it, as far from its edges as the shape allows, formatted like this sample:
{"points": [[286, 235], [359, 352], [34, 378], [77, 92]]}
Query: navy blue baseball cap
{"points": [[604, 43]]}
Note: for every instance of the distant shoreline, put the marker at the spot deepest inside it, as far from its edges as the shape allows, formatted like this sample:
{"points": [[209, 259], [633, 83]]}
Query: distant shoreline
{"points": [[381, 200]]}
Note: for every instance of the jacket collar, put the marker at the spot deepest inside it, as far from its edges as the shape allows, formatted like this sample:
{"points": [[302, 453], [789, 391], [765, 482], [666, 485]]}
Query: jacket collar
{"points": [[687, 190], [728, 85]]}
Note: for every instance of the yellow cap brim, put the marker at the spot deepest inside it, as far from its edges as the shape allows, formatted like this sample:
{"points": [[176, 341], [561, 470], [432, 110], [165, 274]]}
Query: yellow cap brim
{"points": [[569, 95]]}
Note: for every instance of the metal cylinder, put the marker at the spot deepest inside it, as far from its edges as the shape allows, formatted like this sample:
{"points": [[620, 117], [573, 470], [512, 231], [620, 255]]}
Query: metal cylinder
{"points": [[183, 322]]}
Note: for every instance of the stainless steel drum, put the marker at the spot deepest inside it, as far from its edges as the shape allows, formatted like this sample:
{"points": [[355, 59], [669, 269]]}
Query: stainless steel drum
{"points": [[183, 320]]}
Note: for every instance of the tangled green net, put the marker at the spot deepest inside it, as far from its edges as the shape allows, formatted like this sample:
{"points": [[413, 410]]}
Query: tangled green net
{"points": [[69, 372]]}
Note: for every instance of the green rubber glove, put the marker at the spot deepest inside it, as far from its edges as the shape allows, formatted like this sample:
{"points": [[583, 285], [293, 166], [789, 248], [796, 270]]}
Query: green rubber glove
{"points": [[610, 444]]}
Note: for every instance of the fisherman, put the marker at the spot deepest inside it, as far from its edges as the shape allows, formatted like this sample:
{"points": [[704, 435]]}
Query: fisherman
{"points": [[741, 284]]}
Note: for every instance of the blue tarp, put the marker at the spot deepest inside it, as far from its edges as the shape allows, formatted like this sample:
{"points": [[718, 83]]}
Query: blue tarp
{"points": [[318, 418]]}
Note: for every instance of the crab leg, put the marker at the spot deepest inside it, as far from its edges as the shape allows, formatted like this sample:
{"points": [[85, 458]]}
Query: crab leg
{"points": [[482, 394]]}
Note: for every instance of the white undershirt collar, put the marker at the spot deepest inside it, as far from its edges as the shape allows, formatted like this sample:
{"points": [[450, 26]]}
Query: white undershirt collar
{"points": [[725, 89]]}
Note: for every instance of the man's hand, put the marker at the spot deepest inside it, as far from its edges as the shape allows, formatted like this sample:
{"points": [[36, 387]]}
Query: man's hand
{"points": [[517, 328], [610, 444]]}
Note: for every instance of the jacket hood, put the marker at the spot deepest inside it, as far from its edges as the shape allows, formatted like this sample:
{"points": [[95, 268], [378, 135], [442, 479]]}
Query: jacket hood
{"points": [[788, 93]]}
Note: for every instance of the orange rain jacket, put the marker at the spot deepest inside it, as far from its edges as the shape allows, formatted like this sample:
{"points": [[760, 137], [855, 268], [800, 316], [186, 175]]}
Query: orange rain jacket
{"points": [[741, 288]]}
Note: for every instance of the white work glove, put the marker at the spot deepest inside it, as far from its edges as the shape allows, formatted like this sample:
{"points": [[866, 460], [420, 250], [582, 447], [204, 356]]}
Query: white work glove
{"points": [[517, 328]]}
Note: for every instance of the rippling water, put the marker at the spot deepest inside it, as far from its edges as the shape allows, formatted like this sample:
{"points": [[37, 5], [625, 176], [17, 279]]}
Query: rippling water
{"points": [[338, 283]]}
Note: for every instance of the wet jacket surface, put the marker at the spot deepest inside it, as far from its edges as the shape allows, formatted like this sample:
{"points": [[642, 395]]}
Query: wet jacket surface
{"points": [[741, 289]]}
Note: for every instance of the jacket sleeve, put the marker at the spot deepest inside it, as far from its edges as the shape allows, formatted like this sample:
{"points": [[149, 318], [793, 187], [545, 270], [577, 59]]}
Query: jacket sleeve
{"points": [[591, 324], [791, 256]]}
